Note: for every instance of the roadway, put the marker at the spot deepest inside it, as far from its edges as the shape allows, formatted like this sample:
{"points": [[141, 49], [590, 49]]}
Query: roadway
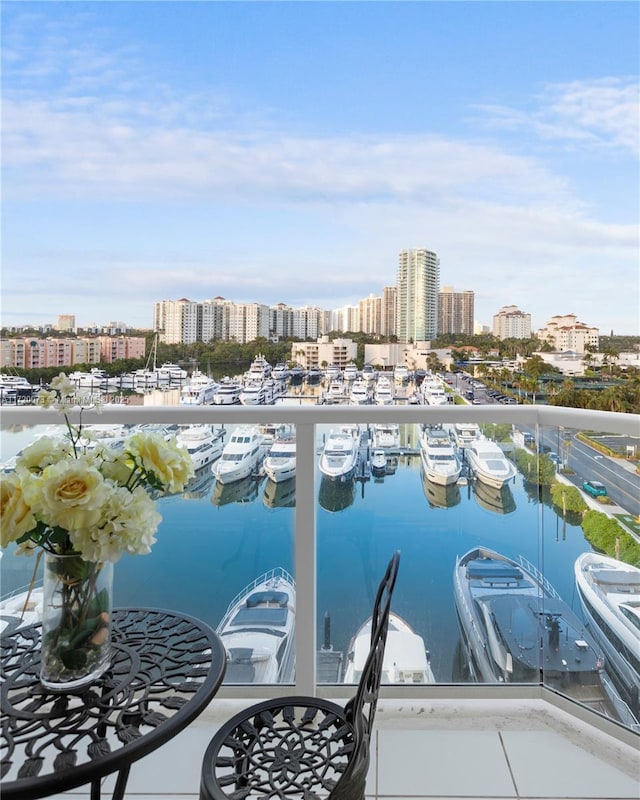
{"points": [[620, 478]]}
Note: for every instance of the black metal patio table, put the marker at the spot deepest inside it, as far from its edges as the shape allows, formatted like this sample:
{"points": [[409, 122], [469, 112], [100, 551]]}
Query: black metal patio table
{"points": [[166, 668]]}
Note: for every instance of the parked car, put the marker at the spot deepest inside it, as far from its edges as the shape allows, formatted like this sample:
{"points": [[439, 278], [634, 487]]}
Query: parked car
{"points": [[595, 488]]}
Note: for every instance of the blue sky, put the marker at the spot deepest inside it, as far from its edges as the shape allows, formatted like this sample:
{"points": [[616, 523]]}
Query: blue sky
{"points": [[287, 151]]}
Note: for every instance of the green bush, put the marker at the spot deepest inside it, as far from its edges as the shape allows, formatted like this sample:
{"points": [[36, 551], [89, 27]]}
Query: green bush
{"points": [[536, 469], [602, 532], [573, 501]]}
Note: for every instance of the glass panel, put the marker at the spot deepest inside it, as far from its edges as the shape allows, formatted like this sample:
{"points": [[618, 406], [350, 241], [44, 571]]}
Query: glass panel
{"points": [[491, 525], [224, 549]]}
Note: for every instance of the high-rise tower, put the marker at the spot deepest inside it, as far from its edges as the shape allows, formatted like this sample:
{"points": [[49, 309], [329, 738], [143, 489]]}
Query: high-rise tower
{"points": [[418, 283]]}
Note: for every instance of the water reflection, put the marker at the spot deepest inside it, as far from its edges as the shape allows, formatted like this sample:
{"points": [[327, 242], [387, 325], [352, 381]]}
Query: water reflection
{"points": [[500, 501], [280, 495], [336, 495], [244, 491], [199, 485], [440, 496]]}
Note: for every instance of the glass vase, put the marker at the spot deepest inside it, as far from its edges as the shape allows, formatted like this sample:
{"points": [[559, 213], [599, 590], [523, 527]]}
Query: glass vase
{"points": [[76, 621]]}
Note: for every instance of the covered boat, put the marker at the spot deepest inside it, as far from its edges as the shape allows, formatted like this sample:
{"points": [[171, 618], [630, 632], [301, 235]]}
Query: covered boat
{"points": [[258, 628], [517, 629]]}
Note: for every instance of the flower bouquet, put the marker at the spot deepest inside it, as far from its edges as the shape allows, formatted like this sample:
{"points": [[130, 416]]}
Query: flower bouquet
{"points": [[83, 505]]}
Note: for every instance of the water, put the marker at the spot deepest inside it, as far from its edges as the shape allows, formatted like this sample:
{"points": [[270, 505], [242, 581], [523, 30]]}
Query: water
{"points": [[211, 543]]}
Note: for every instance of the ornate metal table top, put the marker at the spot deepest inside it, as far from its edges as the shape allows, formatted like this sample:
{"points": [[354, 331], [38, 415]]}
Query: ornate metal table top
{"points": [[166, 668]]}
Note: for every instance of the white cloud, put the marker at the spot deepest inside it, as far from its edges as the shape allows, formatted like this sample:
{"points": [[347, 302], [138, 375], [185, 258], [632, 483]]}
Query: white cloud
{"points": [[599, 113]]}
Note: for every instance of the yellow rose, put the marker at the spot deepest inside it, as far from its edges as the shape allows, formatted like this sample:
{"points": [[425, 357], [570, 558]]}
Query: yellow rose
{"points": [[69, 494], [43, 452], [15, 515], [170, 464]]}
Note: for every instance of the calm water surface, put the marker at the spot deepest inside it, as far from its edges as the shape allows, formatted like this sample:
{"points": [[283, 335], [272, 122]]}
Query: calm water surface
{"points": [[214, 540]]}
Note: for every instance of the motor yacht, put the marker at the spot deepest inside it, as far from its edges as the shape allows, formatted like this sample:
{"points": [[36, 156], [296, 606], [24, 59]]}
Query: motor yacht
{"points": [[280, 372], [339, 457], [433, 392], [609, 592], [383, 394], [350, 371], [240, 456], [369, 373], [439, 457], [228, 393], [488, 463], [401, 373], [258, 631], [465, 433], [386, 435], [280, 462], [199, 390], [260, 369], [516, 629], [360, 393], [203, 443], [406, 659], [378, 461]]}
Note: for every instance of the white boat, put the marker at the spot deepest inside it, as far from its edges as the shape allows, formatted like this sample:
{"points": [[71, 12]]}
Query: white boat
{"points": [[350, 371], [172, 373], [609, 592], [433, 392], [369, 373], [258, 630], [280, 462], [332, 371], [378, 461], [383, 394], [360, 393], [517, 629], [336, 392], [95, 380], [465, 433], [489, 463], [280, 372], [260, 369], [439, 457], [199, 391], [386, 435], [400, 373], [203, 443], [228, 393], [339, 456], [240, 456], [261, 393], [406, 659]]}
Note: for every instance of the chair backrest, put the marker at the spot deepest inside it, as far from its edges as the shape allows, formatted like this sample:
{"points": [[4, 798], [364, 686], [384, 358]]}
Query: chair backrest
{"points": [[361, 709]]}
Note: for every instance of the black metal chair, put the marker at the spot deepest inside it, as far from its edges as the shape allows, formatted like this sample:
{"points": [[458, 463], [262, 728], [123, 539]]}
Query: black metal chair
{"points": [[303, 747]]}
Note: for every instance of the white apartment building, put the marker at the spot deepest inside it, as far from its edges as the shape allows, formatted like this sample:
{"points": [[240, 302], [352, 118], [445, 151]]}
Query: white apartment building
{"points": [[511, 323], [307, 322], [346, 318], [564, 332], [324, 352], [370, 314], [418, 284]]}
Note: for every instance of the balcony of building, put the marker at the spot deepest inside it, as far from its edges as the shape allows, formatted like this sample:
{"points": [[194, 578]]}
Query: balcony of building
{"points": [[457, 737]]}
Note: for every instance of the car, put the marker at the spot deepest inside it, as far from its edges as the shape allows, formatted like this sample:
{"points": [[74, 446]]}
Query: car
{"points": [[595, 488]]}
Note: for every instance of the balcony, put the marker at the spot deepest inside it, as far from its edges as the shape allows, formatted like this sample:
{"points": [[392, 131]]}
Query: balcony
{"points": [[454, 738]]}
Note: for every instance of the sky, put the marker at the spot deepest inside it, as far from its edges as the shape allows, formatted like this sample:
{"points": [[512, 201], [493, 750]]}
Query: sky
{"points": [[288, 151]]}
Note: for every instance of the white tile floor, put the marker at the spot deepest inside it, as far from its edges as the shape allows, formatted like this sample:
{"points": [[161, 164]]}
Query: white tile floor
{"points": [[455, 750]]}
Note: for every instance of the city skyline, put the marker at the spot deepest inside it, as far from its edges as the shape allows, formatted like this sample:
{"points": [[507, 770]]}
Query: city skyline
{"points": [[287, 152]]}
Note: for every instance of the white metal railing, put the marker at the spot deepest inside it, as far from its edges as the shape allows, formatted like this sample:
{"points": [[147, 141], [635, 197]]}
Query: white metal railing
{"points": [[306, 418]]}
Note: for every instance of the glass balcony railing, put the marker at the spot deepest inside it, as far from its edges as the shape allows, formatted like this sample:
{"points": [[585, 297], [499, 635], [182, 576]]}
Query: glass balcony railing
{"points": [[519, 532]]}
